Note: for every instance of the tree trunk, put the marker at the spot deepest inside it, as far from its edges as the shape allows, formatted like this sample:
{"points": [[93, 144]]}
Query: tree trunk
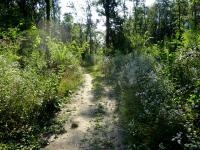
{"points": [[107, 32], [179, 19], [195, 15], [48, 18], [48, 15], [136, 14], [107, 12]]}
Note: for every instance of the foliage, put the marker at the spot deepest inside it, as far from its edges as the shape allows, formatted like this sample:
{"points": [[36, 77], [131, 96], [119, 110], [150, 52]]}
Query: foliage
{"points": [[33, 84], [158, 78], [159, 94]]}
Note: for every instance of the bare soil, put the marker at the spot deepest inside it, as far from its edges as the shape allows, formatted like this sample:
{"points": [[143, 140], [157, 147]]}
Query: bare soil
{"points": [[93, 121]]}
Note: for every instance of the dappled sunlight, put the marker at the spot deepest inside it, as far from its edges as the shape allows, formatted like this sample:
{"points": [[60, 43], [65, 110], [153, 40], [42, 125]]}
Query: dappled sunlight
{"points": [[94, 119]]}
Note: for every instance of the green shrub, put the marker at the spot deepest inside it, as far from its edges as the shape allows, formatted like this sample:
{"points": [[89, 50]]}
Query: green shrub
{"points": [[160, 95], [36, 74]]}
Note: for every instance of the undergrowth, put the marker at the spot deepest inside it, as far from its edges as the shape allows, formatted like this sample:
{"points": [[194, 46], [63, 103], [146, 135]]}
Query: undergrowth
{"points": [[159, 95], [37, 75]]}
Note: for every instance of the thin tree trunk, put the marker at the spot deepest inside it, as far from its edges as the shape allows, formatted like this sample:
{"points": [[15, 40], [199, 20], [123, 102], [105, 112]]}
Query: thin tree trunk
{"points": [[195, 15], [48, 18], [124, 8], [48, 15], [107, 12], [179, 19]]}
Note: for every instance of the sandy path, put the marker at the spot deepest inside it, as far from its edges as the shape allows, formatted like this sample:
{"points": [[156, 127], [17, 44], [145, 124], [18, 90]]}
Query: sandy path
{"points": [[94, 122]]}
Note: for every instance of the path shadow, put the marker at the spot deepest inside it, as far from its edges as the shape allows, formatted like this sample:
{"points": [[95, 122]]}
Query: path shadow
{"points": [[106, 133], [93, 112], [102, 88]]}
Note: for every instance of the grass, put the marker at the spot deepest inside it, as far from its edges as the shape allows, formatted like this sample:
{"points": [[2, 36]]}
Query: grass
{"points": [[69, 83]]}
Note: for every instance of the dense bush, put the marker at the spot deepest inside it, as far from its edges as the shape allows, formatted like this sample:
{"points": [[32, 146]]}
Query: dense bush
{"points": [[36, 74], [159, 95]]}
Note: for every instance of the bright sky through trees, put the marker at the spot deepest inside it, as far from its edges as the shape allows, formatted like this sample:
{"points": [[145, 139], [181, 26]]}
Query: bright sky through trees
{"points": [[80, 5]]}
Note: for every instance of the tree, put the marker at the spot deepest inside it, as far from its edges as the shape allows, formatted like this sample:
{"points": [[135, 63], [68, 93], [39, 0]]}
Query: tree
{"points": [[48, 14], [180, 14], [89, 24], [109, 11], [15, 12], [66, 28], [195, 9]]}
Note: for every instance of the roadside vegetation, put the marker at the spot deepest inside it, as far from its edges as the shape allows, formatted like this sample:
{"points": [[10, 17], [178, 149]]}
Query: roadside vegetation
{"points": [[159, 95], [33, 85]]}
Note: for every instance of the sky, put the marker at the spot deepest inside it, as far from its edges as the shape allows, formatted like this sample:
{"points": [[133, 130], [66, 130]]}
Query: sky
{"points": [[80, 5], [149, 2]]}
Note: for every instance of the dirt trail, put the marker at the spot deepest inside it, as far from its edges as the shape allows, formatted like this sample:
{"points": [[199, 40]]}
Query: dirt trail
{"points": [[92, 123]]}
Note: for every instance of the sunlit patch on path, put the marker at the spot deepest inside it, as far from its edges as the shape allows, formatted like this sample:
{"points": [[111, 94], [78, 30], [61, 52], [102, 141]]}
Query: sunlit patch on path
{"points": [[93, 122]]}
